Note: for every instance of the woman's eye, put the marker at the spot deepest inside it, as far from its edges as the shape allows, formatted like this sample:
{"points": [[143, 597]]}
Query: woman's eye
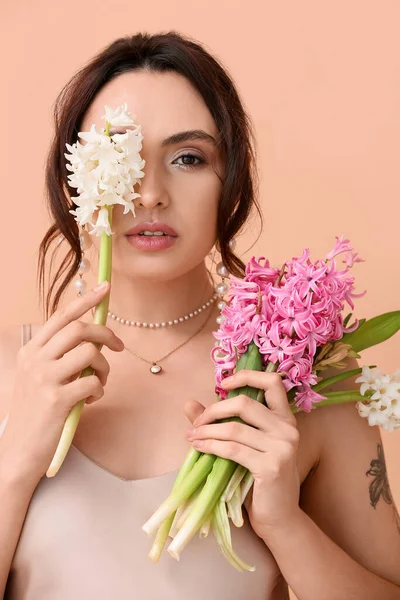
{"points": [[189, 161]]}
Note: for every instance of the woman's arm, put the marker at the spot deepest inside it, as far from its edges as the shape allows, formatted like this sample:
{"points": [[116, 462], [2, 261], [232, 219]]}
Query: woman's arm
{"points": [[15, 496], [344, 540], [15, 488], [315, 567]]}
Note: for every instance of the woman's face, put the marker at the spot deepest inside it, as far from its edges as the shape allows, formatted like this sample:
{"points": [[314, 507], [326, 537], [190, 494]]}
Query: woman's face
{"points": [[178, 190]]}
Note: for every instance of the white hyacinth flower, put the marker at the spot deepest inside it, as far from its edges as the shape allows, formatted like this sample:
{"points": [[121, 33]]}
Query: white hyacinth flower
{"points": [[105, 169], [367, 378], [119, 116], [102, 223], [382, 404]]}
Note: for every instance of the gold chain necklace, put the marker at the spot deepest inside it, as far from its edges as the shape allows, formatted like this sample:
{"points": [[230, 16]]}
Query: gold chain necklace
{"points": [[155, 366]]}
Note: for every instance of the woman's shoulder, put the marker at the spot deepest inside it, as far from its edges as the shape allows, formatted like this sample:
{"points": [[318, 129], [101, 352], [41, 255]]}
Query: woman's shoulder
{"points": [[323, 424]]}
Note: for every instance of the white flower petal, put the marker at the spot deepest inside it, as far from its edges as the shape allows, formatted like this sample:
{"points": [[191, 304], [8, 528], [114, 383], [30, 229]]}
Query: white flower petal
{"points": [[102, 224], [364, 387], [92, 136], [119, 116]]}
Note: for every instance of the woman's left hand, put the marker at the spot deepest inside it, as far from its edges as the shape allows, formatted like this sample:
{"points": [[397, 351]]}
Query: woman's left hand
{"points": [[268, 448]]}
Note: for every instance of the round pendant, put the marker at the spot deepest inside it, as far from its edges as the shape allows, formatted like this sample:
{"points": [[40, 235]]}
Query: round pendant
{"points": [[155, 368]]}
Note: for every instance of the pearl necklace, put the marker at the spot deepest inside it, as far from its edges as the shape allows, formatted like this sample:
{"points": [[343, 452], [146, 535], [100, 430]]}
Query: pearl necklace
{"points": [[165, 323], [155, 366]]}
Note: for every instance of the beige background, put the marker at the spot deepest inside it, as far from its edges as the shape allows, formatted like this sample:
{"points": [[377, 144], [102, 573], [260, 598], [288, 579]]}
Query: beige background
{"points": [[321, 82]]}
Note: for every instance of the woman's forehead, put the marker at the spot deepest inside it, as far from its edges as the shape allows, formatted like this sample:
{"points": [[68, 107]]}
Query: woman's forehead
{"points": [[162, 103]]}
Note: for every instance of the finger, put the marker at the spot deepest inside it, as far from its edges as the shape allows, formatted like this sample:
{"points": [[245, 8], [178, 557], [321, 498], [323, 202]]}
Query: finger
{"points": [[62, 316], [233, 431], [73, 362], [275, 392], [77, 332], [193, 409], [249, 410], [243, 455], [83, 388]]}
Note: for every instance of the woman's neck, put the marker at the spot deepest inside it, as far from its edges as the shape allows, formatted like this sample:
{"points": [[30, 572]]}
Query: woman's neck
{"points": [[150, 301]]}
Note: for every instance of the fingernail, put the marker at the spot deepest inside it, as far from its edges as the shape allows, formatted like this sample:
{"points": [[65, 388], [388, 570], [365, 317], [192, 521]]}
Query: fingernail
{"points": [[196, 422], [100, 286], [190, 432], [197, 443]]}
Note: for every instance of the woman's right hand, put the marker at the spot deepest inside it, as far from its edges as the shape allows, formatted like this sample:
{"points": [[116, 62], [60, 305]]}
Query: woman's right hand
{"points": [[47, 384]]}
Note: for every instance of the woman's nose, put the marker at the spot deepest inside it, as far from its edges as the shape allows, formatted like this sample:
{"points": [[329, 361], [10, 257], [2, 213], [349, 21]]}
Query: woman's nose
{"points": [[152, 191]]}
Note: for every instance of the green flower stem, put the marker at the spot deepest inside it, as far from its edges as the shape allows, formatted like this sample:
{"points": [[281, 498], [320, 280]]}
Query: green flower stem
{"points": [[235, 508], [165, 528], [221, 531], [192, 480], [234, 483], [185, 509], [247, 482], [222, 519], [332, 380], [181, 493], [100, 318], [222, 471], [217, 480], [205, 528], [252, 359], [341, 397]]}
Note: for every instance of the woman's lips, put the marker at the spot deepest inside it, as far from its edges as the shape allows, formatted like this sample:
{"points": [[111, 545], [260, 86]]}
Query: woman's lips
{"points": [[152, 226], [151, 243]]}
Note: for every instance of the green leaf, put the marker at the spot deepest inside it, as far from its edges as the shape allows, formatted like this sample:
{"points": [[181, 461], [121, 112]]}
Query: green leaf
{"points": [[331, 380], [374, 331]]}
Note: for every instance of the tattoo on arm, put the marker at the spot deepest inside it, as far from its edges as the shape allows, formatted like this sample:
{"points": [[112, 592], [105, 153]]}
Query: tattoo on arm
{"points": [[380, 484]]}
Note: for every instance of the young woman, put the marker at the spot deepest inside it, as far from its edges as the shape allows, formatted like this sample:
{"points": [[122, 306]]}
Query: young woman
{"points": [[316, 520]]}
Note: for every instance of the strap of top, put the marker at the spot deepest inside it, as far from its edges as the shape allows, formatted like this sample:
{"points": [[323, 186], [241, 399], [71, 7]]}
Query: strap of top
{"points": [[26, 333]]}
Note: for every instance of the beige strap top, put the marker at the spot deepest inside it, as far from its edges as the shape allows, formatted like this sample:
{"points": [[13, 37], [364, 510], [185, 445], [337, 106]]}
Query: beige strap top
{"points": [[82, 540]]}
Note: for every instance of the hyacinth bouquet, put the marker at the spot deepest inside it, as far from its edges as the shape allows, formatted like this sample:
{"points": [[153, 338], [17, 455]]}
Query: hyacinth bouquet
{"points": [[289, 321], [104, 170]]}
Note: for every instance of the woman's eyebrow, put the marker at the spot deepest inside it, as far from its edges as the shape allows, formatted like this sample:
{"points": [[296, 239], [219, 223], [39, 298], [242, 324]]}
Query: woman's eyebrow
{"points": [[190, 135]]}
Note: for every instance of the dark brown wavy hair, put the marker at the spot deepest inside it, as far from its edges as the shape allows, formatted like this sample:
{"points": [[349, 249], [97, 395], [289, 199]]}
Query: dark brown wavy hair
{"points": [[157, 53]]}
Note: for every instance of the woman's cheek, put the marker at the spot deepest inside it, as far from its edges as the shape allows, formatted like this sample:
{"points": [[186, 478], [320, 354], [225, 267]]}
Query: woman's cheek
{"points": [[203, 217]]}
